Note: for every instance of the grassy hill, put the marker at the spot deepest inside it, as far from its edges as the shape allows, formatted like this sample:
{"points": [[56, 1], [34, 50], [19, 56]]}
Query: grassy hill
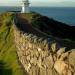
{"points": [[53, 27], [9, 64], [8, 58], [49, 25], [62, 33]]}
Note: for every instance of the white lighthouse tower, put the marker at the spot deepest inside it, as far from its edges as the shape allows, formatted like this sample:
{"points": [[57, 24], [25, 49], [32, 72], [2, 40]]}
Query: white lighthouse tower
{"points": [[25, 6]]}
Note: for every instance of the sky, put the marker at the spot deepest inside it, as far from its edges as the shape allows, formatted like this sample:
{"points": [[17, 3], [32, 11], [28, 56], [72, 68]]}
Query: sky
{"points": [[58, 3]]}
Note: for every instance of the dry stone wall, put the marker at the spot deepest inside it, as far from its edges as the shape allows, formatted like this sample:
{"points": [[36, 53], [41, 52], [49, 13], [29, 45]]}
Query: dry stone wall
{"points": [[41, 56]]}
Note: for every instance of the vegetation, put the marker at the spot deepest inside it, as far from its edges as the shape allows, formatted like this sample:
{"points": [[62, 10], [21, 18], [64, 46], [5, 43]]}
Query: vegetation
{"points": [[8, 58], [63, 33], [29, 16], [53, 27], [9, 64]]}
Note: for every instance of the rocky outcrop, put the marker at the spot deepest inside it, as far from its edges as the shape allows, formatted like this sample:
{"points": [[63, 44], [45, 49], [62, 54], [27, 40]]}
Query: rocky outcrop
{"points": [[41, 56], [33, 53], [39, 53]]}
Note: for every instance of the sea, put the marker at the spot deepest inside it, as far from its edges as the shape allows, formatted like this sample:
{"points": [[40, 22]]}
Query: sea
{"points": [[62, 14]]}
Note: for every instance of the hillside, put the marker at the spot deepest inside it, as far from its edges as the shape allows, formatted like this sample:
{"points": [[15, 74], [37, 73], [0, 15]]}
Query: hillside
{"points": [[47, 26], [19, 31], [53, 27], [8, 58]]}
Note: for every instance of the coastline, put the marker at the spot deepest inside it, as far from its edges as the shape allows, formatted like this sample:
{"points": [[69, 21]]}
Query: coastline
{"points": [[62, 14]]}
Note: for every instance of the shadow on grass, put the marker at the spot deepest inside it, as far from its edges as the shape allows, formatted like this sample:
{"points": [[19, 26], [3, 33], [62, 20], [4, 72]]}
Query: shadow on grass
{"points": [[22, 67], [4, 70]]}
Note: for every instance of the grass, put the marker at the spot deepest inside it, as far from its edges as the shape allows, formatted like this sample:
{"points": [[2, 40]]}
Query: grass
{"points": [[8, 58], [29, 16]]}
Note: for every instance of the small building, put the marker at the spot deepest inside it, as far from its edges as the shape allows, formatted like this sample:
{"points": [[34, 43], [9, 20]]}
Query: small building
{"points": [[25, 6]]}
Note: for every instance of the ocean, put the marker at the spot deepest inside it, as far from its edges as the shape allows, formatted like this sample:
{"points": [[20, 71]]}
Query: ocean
{"points": [[62, 14]]}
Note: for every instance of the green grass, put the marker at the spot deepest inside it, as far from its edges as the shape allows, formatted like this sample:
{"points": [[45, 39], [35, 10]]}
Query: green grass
{"points": [[29, 16], [8, 58]]}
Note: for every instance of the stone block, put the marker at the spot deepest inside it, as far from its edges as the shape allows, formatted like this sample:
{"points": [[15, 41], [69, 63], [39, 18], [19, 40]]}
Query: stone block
{"points": [[61, 67], [30, 45], [28, 57], [60, 51], [39, 49]]}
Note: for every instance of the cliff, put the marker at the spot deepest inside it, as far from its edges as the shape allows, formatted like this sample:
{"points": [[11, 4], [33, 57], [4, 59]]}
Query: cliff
{"points": [[38, 43], [53, 27]]}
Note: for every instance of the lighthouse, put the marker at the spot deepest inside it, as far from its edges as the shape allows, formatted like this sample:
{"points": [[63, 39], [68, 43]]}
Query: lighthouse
{"points": [[25, 6]]}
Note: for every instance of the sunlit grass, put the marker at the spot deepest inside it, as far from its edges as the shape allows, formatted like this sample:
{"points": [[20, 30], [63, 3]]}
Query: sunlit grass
{"points": [[8, 58]]}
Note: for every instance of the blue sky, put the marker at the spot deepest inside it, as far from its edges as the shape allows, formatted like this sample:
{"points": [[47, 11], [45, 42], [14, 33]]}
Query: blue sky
{"points": [[58, 3]]}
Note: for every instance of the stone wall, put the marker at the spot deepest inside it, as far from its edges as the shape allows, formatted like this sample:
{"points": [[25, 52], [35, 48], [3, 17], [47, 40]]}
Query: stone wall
{"points": [[41, 56]]}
